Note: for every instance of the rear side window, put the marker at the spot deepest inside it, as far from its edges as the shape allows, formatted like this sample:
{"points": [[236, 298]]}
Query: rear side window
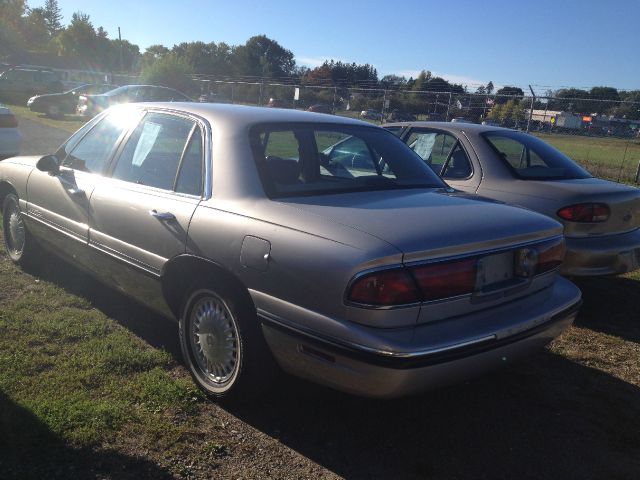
{"points": [[153, 153], [190, 175], [442, 152], [529, 158]]}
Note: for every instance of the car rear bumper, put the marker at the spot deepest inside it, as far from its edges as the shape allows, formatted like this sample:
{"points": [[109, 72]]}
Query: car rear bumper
{"points": [[602, 255], [10, 142], [437, 353]]}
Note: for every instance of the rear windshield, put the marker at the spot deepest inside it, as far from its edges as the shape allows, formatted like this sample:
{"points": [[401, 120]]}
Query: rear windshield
{"points": [[316, 159], [532, 159]]}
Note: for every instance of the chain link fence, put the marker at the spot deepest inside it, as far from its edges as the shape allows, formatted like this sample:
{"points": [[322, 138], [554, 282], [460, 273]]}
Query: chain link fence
{"points": [[602, 135]]}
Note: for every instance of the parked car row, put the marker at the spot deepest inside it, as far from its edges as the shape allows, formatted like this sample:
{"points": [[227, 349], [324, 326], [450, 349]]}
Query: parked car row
{"points": [[321, 245], [89, 100]]}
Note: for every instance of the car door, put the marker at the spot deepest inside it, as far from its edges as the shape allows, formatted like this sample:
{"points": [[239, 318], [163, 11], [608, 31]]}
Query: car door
{"points": [[58, 205], [140, 215], [447, 155]]}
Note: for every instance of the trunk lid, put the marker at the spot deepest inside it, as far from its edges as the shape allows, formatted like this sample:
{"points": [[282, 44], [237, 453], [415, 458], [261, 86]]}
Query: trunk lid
{"points": [[430, 224], [623, 201]]}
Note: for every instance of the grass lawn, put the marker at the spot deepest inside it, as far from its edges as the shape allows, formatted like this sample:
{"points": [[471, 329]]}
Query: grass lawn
{"points": [[70, 123], [90, 387], [603, 156]]}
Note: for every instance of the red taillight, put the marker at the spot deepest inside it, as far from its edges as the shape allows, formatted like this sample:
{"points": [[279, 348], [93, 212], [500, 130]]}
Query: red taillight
{"points": [[387, 287], [447, 279], [8, 121], [550, 255], [444, 280], [585, 212]]}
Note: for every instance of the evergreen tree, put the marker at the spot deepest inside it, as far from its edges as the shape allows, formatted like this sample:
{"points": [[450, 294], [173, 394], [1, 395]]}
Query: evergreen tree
{"points": [[53, 16]]}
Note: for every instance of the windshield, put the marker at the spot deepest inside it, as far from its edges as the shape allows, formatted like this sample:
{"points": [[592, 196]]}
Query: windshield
{"points": [[529, 158], [316, 159]]}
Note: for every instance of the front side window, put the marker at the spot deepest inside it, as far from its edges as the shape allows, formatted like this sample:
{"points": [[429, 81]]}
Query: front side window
{"points": [[442, 152], [91, 152], [529, 158], [153, 153], [314, 159]]}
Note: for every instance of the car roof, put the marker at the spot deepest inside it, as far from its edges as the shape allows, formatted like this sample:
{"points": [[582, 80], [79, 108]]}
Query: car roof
{"points": [[242, 115], [450, 126]]}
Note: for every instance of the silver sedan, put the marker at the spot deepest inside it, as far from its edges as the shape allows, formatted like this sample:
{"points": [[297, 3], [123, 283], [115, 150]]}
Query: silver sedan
{"points": [[601, 218], [318, 243]]}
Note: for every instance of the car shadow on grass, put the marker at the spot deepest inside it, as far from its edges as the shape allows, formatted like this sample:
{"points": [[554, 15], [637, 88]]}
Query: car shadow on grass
{"points": [[546, 418], [611, 306], [30, 450], [157, 330]]}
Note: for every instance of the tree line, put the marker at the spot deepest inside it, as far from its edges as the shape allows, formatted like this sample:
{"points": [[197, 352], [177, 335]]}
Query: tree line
{"points": [[40, 29]]}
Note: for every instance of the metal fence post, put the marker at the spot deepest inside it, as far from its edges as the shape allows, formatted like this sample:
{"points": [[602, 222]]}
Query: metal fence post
{"points": [[384, 102], [638, 173], [530, 114], [261, 87], [233, 92], [448, 107], [335, 93]]}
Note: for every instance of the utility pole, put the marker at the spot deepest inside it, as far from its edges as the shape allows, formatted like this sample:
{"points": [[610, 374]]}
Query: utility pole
{"points": [[121, 57], [533, 99]]}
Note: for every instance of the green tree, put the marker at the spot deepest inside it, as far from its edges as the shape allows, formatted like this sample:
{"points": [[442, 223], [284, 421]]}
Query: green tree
{"points": [[34, 30], [153, 53], [261, 56], [79, 39], [503, 94], [53, 16], [11, 39], [170, 71], [489, 88]]}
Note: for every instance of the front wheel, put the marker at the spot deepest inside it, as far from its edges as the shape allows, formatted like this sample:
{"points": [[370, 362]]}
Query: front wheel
{"points": [[17, 241], [223, 346]]}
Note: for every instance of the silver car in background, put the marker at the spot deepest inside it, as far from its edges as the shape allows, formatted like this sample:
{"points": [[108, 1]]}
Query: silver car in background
{"points": [[320, 242], [601, 218]]}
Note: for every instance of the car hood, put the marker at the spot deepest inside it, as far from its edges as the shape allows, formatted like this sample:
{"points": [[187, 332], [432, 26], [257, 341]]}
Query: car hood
{"points": [[429, 223]]}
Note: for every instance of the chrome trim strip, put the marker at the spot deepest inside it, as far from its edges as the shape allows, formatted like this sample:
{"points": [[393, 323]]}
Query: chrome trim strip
{"points": [[114, 254], [363, 348], [54, 226]]}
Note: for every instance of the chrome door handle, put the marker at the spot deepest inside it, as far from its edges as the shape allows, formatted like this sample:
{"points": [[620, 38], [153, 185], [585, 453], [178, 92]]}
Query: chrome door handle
{"points": [[76, 192], [163, 216]]}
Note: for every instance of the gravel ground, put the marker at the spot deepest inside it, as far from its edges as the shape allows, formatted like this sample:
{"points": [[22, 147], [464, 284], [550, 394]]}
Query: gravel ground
{"points": [[570, 412]]}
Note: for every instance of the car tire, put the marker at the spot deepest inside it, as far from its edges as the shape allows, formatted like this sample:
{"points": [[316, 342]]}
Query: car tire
{"points": [[53, 111], [18, 243], [223, 346]]}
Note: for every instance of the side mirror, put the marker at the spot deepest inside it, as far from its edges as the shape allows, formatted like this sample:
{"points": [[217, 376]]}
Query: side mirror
{"points": [[49, 163]]}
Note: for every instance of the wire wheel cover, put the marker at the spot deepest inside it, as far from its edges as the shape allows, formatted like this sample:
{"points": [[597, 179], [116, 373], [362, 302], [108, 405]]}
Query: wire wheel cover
{"points": [[14, 226], [214, 340]]}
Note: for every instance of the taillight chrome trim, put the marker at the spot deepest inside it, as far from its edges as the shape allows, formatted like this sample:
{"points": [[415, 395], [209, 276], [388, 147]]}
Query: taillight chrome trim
{"points": [[349, 303]]}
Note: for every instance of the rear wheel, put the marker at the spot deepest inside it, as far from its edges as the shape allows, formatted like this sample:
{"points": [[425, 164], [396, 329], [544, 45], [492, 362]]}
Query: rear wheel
{"points": [[17, 241], [53, 111], [223, 346]]}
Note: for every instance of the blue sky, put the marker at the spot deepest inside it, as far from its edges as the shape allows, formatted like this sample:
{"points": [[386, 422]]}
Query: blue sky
{"points": [[547, 43]]}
